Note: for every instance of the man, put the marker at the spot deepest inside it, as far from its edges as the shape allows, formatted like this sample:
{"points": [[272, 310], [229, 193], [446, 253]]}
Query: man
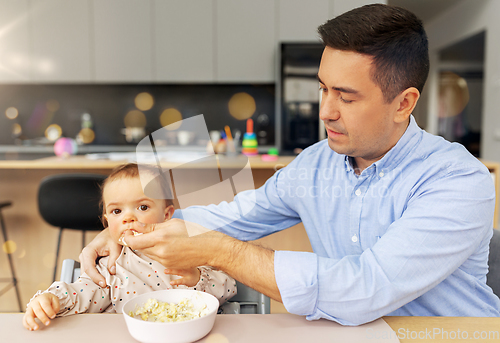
{"points": [[399, 220]]}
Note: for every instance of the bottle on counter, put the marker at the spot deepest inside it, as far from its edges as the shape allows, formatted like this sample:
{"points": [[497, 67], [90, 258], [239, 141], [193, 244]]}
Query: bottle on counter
{"points": [[212, 143], [221, 146], [86, 134]]}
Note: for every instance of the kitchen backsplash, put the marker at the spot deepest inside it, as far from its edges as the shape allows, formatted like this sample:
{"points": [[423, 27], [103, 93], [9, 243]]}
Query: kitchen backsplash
{"points": [[26, 111]]}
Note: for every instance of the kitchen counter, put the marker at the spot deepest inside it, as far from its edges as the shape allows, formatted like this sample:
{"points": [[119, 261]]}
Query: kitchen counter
{"points": [[83, 162]]}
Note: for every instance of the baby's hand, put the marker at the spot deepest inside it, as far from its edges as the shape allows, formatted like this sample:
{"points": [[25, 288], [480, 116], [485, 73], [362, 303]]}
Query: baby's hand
{"points": [[43, 307], [190, 277]]}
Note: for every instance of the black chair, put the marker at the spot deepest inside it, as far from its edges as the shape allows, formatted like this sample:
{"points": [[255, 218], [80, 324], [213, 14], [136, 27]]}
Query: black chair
{"points": [[12, 281], [71, 201], [493, 276]]}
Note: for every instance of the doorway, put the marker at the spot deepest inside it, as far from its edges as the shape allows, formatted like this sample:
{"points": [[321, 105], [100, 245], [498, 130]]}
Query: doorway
{"points": [[461, 82]]}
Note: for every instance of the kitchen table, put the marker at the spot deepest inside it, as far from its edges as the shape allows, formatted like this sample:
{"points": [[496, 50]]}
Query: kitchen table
{"points": [[264, 328]]}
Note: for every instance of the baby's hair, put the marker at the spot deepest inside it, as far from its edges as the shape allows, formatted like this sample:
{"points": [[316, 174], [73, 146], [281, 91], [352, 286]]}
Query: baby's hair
{"points": [[127, 170]]}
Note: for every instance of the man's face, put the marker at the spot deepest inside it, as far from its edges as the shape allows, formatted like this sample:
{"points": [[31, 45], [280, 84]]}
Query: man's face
{"points": [[359, 122]]}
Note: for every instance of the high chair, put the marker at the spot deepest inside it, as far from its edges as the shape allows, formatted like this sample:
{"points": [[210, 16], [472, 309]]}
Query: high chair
{"points": [[246, 301]]}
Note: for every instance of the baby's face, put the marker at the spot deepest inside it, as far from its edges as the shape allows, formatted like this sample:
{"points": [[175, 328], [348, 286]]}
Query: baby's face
{"points": [[125, 203]]}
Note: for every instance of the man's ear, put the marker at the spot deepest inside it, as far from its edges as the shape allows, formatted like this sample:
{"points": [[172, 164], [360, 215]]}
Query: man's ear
{"points": [[406, 102], [169, 212]]}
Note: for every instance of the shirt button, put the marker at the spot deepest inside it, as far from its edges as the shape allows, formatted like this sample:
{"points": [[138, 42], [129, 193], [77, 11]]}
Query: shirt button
{"points": [[354, 239], [381, 174], [358, 192]]}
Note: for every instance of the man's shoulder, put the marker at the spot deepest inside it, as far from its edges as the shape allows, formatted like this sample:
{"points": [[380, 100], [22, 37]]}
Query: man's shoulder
{"points": [[441, 153], [439, 148]]}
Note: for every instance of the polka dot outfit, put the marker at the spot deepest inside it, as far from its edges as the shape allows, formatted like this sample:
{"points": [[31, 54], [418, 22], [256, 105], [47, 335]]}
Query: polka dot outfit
{"points": [[135, 274]]}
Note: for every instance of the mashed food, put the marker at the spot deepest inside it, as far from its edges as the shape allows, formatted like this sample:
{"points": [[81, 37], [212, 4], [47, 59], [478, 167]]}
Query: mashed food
{"points": [[159, 311]]}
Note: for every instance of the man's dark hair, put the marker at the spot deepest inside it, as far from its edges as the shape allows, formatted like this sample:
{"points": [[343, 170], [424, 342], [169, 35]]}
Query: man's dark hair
{"points": [[394, 37]]}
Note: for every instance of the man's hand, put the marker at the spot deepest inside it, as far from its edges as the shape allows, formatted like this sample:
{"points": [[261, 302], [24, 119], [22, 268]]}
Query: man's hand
{"points": [[44, 307], [101, 246], [178, 244], [174, 243]]}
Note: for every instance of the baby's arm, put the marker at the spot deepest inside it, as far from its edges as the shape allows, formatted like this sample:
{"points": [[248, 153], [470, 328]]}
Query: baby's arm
{"points": [[81, 296], [188, 277], [217, 283], [62, 299]]}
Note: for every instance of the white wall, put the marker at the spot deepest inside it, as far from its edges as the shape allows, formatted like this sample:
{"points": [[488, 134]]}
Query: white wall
{"points": [[466, 19]]}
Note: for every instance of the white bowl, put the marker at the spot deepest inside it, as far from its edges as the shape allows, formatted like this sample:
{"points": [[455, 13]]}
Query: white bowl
{"points": [[172, 332]]}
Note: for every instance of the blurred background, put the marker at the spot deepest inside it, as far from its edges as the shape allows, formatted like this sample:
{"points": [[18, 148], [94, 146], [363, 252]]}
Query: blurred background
{"points": [[106, 74]]}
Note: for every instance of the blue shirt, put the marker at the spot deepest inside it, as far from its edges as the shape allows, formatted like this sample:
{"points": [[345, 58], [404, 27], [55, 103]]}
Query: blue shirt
{"points": [[409, 236]]}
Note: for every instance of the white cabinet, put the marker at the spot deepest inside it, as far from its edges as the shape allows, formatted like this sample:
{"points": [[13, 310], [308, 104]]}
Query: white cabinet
{"points": [[61, 41], [246, 40], [183, 46], [144, 41], [14, 41], [299, 20], [122, 40]]}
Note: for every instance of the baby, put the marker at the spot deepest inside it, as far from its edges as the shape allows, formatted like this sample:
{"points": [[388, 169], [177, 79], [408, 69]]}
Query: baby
{"points": [[124, 203]]}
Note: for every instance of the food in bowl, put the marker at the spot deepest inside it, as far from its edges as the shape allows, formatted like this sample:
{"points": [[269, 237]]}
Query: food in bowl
{"points": [[162, 311], [147, 331]]}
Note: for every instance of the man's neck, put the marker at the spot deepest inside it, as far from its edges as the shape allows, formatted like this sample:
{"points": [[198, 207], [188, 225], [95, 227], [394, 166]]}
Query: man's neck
{"points": [[359, 164]]}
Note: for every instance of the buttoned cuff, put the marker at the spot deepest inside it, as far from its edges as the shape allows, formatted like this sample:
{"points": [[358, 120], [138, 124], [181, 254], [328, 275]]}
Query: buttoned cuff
{"points": [[296, 275]]}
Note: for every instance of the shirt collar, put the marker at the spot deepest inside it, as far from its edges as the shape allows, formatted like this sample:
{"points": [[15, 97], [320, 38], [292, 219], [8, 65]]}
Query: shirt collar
{"points": [[402, 148], [394, 156]]}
